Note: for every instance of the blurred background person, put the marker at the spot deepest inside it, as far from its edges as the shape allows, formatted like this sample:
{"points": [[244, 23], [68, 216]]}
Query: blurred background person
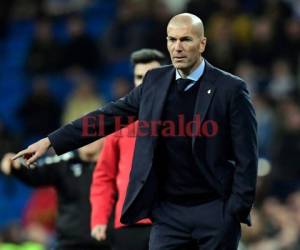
{"points": [[71, 176], [83, 97], [9, 141], [14, 237], [45, 53], [111, 175], [286, 170], [39, 112], [126, 32], [80, 50], [121, 87]]}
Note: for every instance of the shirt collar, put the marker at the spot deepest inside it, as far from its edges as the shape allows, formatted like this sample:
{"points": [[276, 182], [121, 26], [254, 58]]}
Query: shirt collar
{"points": [[196, 74]]}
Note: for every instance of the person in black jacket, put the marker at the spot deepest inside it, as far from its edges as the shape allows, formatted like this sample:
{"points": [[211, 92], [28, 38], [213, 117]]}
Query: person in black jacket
{"points": [[70, 174]]}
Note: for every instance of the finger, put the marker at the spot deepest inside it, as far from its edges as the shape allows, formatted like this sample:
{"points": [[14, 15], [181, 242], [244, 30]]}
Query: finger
{"points": [[32, 159], [20, 154]]}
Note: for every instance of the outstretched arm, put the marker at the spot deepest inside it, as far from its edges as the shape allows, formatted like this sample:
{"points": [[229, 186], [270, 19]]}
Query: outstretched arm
{"points": [[81, 132]]}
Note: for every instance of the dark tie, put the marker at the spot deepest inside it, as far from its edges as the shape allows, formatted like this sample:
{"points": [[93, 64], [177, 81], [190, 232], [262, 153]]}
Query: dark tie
{"points": [[183, 83]]}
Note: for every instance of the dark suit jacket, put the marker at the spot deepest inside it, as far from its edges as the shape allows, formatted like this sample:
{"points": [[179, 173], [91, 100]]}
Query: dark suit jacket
{"points": [[228, 160]]}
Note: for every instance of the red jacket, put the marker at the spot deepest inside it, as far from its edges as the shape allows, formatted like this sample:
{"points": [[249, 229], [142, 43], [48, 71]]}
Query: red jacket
{"points": [[111, 177]]}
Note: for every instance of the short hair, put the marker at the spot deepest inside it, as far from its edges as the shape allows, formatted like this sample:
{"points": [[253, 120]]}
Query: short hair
{"points": [[147, 56]]}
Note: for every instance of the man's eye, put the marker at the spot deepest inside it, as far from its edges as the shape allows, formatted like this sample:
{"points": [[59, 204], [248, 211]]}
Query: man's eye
{"points": [[138, 77], [186, 40], [171, 39]]}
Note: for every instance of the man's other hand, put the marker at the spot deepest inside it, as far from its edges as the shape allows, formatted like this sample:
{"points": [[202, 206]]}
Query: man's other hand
{"points": [[99, 232], [34, 151]]}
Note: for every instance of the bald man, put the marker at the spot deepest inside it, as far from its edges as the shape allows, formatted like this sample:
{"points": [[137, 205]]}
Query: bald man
{"points": [[195, 161]]}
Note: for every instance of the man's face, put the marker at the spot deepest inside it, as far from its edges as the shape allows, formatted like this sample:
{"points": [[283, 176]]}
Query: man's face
{"points": [[140, 70], [185, 47]]}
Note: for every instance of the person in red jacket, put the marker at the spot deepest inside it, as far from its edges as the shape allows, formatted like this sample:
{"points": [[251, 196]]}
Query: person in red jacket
{"points": [[111, 175]]}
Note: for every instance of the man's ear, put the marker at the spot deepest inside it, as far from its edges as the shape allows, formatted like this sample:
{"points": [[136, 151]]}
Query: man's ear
{"points": [[202, 44]]}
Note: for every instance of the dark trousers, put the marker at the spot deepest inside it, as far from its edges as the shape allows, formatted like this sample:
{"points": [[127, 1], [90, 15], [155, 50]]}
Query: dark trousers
{"points": [[208, 226], [100, 247], [92, 245], [131, 238]]}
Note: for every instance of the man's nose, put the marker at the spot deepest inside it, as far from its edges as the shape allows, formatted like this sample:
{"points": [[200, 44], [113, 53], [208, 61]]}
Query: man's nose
{"points": [[178, 45]]}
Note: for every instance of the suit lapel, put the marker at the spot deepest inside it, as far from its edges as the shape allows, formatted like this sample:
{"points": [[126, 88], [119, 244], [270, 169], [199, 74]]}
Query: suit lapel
{"points": [[205, 94], [161, 91], [203, 100]]}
